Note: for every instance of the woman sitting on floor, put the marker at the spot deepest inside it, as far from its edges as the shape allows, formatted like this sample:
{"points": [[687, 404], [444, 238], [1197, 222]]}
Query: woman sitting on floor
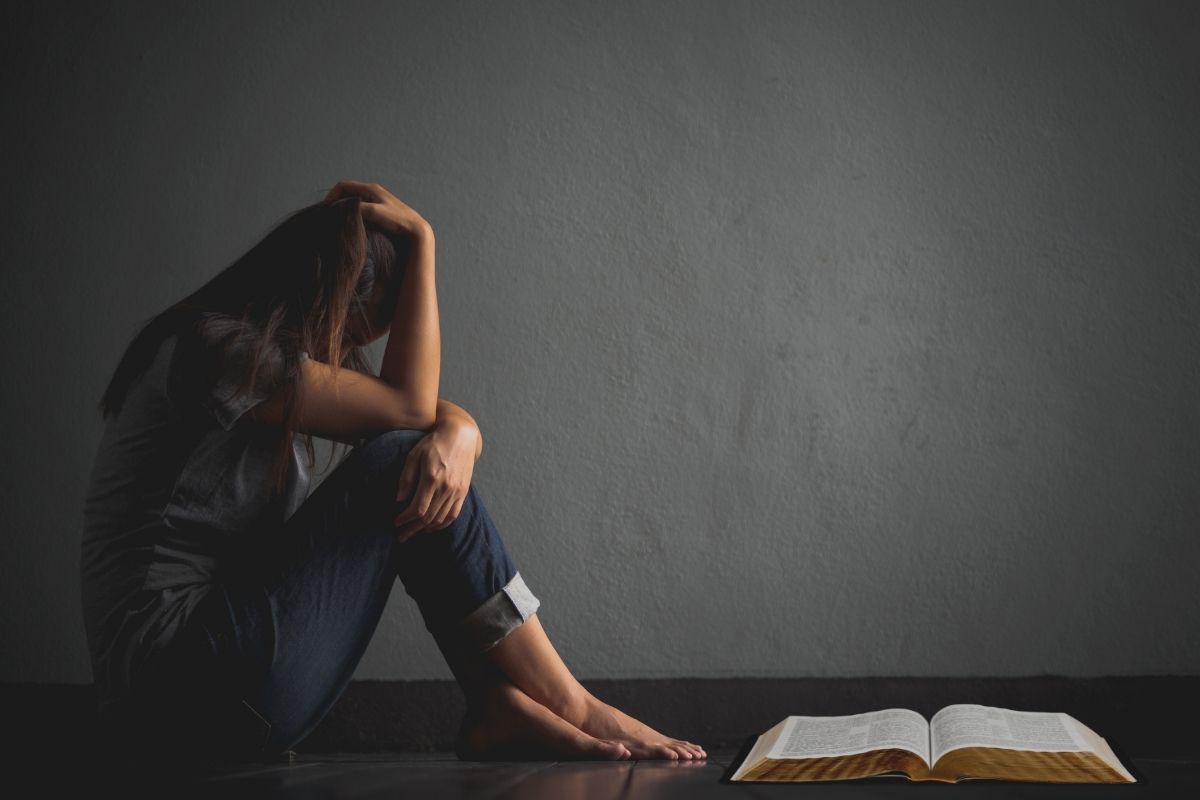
{"points": [[225, 608]]}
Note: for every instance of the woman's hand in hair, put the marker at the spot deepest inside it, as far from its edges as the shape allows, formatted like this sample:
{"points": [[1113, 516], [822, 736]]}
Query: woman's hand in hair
{"points": [[381, 208], [436, 476]]}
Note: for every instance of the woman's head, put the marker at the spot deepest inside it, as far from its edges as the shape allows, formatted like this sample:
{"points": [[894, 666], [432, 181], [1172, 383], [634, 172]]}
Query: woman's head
{"points": [[375, 293], [320, 282]]}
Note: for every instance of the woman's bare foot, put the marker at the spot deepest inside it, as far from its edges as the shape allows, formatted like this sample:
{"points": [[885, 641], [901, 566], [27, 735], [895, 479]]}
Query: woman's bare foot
{"points": [[527, 657], [513, 726], [603, 721]]}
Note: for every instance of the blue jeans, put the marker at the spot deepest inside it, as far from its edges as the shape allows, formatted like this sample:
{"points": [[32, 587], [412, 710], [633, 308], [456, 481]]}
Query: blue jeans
{"points": [[271, 648]]}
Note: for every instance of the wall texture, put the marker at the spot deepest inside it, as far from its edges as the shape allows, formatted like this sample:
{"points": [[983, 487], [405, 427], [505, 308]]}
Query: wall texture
{"points": [[806, 339]]}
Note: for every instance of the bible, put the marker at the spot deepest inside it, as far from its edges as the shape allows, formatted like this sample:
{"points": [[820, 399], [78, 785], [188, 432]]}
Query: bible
{"points": [[960, 742]]}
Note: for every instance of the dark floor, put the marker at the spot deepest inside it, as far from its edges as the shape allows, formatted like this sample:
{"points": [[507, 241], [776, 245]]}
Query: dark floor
{"points": [[441, 775], [51, 740]]}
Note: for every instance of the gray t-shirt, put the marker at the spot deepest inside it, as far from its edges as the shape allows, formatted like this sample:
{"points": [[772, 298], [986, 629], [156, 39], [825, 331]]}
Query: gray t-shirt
{"points": [[178, 488]]}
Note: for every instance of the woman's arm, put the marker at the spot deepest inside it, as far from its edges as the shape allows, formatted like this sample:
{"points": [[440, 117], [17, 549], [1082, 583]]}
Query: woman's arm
{"points": [[436, 477], [412, 361], [413, 358], [449, 414]]}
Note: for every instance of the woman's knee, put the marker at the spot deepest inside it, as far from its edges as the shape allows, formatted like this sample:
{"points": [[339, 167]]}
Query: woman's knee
{"points": [[388, 448]]}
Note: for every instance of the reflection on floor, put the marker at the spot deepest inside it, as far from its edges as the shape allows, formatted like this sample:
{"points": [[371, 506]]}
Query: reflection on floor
{"points": [[441, 775]]}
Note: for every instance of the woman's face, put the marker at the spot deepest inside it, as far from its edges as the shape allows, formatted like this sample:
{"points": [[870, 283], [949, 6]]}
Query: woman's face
{"points": [[366, 323]]}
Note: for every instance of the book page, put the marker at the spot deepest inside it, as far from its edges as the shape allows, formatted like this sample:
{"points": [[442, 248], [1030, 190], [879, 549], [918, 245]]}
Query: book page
{"points": [[762, 746], [813, 737], [966, 725], [1099, 744]]}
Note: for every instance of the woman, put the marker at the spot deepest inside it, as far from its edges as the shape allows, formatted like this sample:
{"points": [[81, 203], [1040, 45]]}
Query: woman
{"points": [[225, 610]]}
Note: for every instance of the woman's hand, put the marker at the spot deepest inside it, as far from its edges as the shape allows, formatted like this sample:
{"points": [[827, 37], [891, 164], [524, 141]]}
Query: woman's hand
{"points": [[439, 468], [381, 208]]}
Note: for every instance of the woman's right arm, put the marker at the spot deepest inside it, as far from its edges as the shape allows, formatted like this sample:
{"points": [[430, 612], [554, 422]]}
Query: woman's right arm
{"points": [[412, 362], [413, 357], [405, 394]]}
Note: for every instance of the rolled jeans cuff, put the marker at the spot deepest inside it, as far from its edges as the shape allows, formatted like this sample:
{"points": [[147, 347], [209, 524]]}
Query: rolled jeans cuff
{"points": [[500, 614]]}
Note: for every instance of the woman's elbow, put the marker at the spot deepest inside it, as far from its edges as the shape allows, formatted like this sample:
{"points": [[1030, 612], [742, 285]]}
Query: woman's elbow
{"points": [[425, 420], [421, 419]]}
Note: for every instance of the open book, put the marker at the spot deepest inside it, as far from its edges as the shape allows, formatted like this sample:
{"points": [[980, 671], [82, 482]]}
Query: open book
{"points": [[961, 742]]}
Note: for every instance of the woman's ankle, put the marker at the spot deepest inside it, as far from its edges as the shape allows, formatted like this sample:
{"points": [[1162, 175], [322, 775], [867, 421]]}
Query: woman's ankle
{"points": [[572, 704], [530, 661]]}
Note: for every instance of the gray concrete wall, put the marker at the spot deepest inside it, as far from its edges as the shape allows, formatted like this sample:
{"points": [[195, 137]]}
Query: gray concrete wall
{"points": [[806, 339]]}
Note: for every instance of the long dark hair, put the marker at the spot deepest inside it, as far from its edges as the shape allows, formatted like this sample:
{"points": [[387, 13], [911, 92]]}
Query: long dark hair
{"points": [[300, 289]]}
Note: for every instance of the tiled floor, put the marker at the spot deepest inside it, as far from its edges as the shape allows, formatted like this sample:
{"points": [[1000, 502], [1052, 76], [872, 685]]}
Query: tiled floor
{"points": [[441, 775]]}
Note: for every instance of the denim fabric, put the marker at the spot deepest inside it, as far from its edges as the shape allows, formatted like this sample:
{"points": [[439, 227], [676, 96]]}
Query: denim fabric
{"points": [[272, 647]]}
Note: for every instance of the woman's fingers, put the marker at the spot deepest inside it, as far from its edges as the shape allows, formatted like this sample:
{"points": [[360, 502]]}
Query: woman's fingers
{"points": [[371, 213], [408, 478], [406, 526], [418, 508], [442, 518], [443, 510], [371, 191], [458, 507], [380, 207], [404, 535]]}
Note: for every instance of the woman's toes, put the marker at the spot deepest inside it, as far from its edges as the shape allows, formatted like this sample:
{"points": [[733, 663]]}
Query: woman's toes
{"points": [[611, 751], [652, 751], [684, 752], [666, 751], [616, 750]]}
